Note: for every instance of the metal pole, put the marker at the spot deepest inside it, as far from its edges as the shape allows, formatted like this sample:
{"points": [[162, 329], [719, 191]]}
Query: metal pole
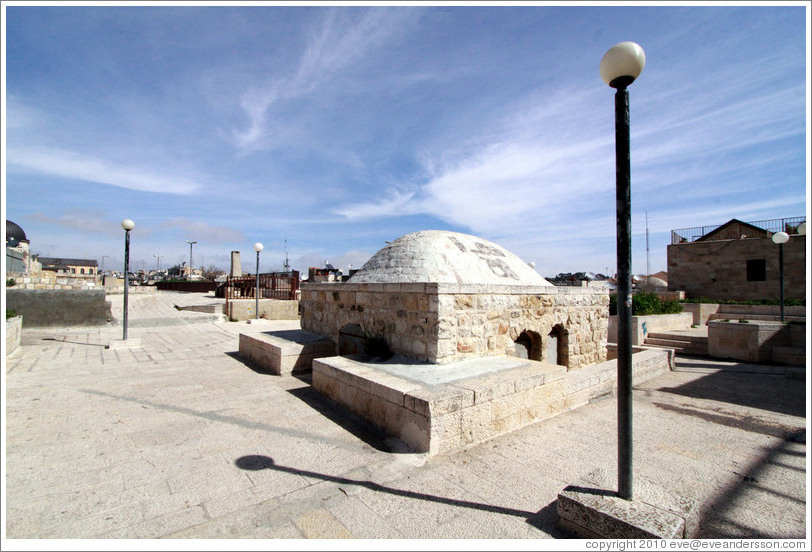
{"points": [[256, 309], [126, 277], [624, 298], [781, 276]]}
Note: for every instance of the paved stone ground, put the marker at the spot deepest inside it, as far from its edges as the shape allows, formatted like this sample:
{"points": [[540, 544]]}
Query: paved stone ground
{"points": [[179, 438]]}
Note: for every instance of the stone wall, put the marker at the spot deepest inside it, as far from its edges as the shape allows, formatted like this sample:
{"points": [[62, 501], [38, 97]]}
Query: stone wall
{"points": [[644, 325], [478, 321], [750, 341], [51, 307], [13, 333], [444, 323], [718, 269], [269, 309], [407, 314], [52, 280]]}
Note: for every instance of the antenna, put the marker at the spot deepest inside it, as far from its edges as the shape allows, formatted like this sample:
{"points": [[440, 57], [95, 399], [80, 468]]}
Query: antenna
{"points": [[287, 262], [648, 261]]}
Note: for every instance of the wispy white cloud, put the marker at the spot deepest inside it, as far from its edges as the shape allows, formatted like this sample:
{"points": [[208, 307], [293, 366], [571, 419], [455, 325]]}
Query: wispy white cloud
{"points": [[67, 164], [87, 221], [339, 42], [202, 231]]}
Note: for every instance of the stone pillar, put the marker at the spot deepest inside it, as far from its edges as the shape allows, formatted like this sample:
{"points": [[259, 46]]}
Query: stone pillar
{"points": [[236, 267]]}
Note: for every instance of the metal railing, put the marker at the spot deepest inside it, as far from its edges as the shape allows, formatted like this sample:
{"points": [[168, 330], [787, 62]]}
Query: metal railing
{"points": [[273, 285], [771, 226]]}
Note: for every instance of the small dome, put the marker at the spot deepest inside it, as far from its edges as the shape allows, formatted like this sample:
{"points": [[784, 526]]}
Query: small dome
{"points": [[437, 256], [14, 234], [656, 282]]}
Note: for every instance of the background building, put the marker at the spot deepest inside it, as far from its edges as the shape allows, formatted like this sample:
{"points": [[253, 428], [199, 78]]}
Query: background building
{"points": [[737, 261]]}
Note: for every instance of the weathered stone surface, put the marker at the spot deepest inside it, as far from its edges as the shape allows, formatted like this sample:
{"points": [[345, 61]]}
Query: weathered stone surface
{"points": [[286, 352], [592, 509], [437, 409]]}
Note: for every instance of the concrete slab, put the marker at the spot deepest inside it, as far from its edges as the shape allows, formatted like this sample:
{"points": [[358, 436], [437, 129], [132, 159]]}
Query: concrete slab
{"points": [[591, 509], [284, 351], [129, 343], [442, 408]]}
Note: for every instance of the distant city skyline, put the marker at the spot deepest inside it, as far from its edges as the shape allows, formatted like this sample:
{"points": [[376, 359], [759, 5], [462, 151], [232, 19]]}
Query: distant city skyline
{"points": [[340, 128]]}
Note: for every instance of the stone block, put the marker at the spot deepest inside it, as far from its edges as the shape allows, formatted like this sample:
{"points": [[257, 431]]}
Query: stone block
{"points": [[591, 509], [285, 353]]}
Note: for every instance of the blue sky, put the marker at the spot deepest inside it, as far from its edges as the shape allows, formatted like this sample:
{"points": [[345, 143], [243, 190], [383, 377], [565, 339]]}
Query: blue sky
{"points": [[341, 127]]}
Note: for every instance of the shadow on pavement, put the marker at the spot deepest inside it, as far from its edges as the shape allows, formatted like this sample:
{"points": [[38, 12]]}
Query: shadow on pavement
{"points": [[250, 364], [717, 519], [224, 418], [347, 419], [775, 393], [544, 519], [63, 340]]}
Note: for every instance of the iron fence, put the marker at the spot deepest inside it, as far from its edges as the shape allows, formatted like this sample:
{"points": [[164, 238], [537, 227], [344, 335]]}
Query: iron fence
{"points": [[273, 285], [788, 225]]}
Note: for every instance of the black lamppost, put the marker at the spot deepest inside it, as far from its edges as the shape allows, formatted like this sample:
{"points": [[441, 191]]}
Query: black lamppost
{"points": [[620, 66], [257, 247], [127, 225], [191, 244], [781, 238]]}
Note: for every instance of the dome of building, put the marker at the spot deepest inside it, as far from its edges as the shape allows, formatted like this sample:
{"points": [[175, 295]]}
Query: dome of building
{"points": [[656, 282], [14, 234], [437, 256]]}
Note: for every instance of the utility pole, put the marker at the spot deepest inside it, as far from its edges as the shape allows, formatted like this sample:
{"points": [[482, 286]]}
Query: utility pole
{"points": [[648, 261]]}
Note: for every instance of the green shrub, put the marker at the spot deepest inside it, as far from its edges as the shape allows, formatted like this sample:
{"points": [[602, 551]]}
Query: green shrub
{"points": [[11, 282], [10, 313], [645, 304]]}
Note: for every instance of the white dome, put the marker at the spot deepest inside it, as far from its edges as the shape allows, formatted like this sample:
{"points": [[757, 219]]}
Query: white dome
{"points": [[437, 256]]}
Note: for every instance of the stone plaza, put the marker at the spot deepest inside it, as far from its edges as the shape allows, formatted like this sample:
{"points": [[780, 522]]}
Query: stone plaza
{"points": [[183, 438]]}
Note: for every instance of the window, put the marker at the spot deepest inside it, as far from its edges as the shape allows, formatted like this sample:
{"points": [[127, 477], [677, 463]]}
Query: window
{"points": [[756, 270]]}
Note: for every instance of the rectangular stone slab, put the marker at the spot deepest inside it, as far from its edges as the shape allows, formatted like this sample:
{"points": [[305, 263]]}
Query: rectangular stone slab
{"points": [[285, 352], [441, 408], [591, 509]]}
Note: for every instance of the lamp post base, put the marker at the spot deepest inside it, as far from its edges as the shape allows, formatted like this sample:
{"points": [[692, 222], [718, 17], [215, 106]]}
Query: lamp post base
{"points": [[130, 343], [590, 510]]}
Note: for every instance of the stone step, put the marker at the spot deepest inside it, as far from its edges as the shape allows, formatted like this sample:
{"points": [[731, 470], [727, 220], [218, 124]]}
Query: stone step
{"points": [[748, 316], [789, 356], [676, 336], [682, 344]]}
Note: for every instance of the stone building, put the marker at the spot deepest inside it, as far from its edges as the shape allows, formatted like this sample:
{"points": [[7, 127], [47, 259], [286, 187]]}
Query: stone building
{"points": [[18, 254], [737, 261], [442, 297], [70, 266]]}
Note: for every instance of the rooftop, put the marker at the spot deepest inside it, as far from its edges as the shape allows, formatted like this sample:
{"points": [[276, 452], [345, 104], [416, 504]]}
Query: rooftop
{"points": [[770, 226], [437, 256]]}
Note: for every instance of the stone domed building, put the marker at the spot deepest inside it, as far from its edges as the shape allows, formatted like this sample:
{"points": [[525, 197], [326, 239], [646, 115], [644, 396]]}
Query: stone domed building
{"points": [[18, 255], [15, 234], [440, 297]]}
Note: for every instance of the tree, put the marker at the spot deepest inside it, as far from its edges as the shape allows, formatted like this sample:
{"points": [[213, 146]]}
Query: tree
{"points": [[211, 272]]}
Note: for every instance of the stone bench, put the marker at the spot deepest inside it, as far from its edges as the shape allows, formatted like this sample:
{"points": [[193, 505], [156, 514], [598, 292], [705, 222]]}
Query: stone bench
{"points": [[442, 408], [285, 351]]}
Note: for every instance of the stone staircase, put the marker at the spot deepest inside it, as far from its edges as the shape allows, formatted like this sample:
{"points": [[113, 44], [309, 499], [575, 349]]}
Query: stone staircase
{"points": [[795, 353], [684, 342]]}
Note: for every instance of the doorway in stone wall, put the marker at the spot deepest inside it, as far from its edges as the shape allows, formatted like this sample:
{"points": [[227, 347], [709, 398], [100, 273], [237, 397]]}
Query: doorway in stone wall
{"points": [[556, 351], [351, 340], [528, 345]]}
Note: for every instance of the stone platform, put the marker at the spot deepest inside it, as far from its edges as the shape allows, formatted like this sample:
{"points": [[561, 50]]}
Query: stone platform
{"points": [[284, 351], [591, 509], [443, 408]]}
